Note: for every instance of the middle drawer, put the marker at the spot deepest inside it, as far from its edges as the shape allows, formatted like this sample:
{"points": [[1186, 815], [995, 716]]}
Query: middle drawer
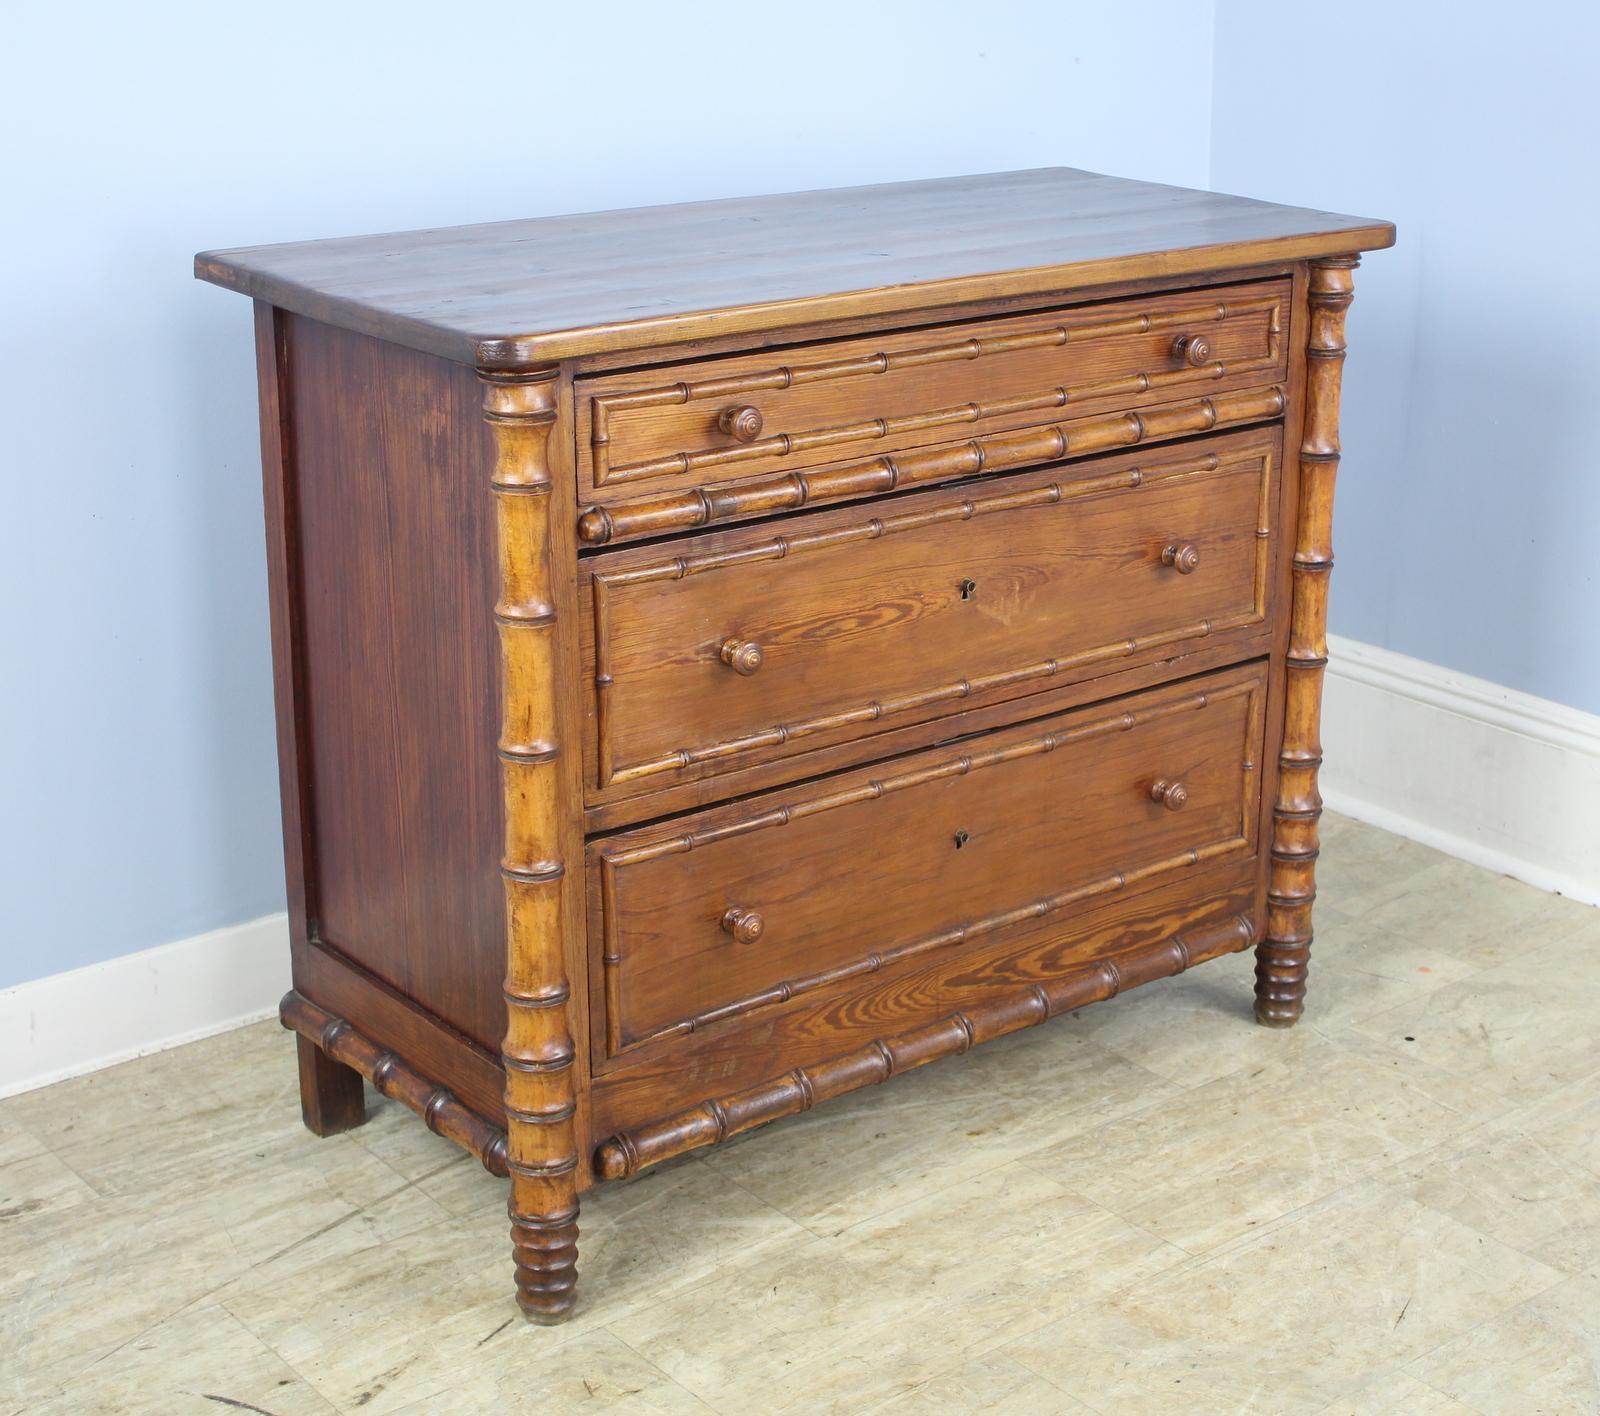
{"points": [[755, 643]]}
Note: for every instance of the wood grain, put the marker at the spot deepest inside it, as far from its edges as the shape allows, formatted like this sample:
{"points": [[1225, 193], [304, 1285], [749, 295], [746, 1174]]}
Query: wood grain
{"points": [[665, 512], [719, 1118], [539, 1053], [408, 1028], [1284, 956], [518, 293], [331, 1095], [397, 673], [838, 399], [656, 1080], [945, 599], [323, 1035], [924, 854], [789, 564], [678, 792]]}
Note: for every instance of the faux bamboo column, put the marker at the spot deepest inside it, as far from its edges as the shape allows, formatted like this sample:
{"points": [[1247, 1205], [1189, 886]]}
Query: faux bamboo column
{"points": [[542, 1155], [1284, 954]]}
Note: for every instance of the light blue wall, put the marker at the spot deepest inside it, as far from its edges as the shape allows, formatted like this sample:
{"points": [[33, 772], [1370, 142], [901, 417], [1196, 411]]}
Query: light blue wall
{"points": [[1468, 529], [138, 791]]}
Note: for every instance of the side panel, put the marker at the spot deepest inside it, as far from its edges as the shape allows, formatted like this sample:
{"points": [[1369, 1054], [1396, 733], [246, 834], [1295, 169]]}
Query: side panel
{"points": [[393, 582]]}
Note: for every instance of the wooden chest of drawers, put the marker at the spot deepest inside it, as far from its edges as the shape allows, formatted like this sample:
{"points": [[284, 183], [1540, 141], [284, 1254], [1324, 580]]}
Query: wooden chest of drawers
{"points": [[730, 654]]}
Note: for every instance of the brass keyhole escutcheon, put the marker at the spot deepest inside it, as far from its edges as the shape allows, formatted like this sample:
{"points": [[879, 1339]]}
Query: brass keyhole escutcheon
{"points": [[961, 839], [968, 589]]}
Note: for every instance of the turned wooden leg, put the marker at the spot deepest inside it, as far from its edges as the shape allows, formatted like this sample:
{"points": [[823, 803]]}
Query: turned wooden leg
{"points": [[331, 1094], [1284, 955], [546, 1254], [540, 1097]]}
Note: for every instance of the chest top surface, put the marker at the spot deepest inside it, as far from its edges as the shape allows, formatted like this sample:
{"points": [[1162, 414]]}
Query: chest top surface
{"points": [[513, 293]]}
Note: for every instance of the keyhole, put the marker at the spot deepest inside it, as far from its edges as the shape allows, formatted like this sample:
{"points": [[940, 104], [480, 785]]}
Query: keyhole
{"points": [[968, 588], [961, 839]]}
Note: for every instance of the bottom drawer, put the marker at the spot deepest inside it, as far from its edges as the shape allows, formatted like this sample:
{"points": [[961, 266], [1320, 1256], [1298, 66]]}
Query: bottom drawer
{"points": [[723, 915]]}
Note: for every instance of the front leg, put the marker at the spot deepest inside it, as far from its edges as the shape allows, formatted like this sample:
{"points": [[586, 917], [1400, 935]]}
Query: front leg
{"points": [[1284, 955], [539, 1054], [545, 1249]]}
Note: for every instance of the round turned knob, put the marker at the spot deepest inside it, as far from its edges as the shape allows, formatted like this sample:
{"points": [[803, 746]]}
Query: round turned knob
{"points": [[1182, 556], [746, 926], [1192, 349], [594, 526], [742, 424], [1172, 795], [741, 656]]}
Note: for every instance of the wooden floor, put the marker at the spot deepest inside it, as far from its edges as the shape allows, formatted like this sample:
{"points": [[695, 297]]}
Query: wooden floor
{"points": [[1393, 1208]]}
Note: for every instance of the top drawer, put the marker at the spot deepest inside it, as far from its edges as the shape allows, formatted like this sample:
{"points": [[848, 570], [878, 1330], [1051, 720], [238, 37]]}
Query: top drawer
{"points": [[712, 421]]}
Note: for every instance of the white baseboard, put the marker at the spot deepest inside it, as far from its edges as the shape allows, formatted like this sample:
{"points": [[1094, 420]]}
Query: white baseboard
{"points": [[1496, 777], [75, 1022]]}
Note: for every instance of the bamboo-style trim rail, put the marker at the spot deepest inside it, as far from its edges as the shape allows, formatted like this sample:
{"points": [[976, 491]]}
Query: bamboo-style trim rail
{"points": [[788, 545], [445, 1114], [615, 857], [1284, 956], [958, 765], [717, 1118], [961, 350], [961, 934], [993, 452], [878, 709]]}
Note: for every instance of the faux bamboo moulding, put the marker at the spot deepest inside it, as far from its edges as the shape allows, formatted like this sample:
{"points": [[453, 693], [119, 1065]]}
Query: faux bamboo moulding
{"points": [[728, 655]]}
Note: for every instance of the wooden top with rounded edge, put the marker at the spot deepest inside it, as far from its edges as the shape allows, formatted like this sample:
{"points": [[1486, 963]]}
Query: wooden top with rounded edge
{"points": [[515, 293]]}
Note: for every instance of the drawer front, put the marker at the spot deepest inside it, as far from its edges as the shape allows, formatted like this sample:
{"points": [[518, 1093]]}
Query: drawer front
{"points": [[749, 645], [711, 919], [715, 420]]}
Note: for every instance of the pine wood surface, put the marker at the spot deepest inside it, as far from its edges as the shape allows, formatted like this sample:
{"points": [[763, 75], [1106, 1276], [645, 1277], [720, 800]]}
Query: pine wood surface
{"points": [[710, 680], [798, 1090], [857, 620], [327, 1042], [988, 452], [539, 1055], [1284, 957], [663, 1078], [518, 292], [930, 852], [678, 425], [397, 684]]}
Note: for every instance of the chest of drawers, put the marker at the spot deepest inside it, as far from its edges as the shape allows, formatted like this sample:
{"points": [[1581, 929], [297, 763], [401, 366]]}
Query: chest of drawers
{"points": [[729, 654]]}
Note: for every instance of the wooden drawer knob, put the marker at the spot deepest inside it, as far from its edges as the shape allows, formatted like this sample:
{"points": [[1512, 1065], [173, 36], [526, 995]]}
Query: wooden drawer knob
{"points": [[1192, 349], [746, 926], [742, 656], [1182, 556], [1172, 795], [742, 424]]}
